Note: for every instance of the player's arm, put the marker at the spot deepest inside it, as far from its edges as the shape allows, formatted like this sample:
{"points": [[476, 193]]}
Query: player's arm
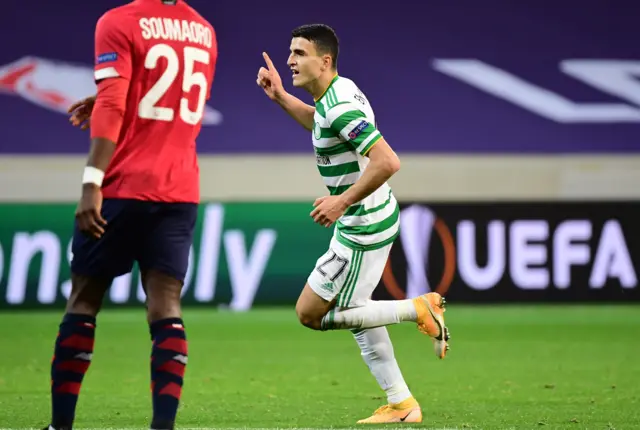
{"points": [[112, 73], [384, 163], [270, 81], [366, 139], [108, 114], [297, 109]]}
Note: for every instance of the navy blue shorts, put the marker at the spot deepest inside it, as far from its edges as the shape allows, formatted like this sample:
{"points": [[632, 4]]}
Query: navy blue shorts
{"points": [[156, 235]]}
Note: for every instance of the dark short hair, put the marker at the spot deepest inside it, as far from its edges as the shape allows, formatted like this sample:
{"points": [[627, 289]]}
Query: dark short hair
{"points": [[323, 36]]}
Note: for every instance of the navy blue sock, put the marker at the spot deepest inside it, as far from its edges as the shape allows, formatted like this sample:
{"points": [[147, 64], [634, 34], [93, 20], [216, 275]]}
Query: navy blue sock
{"points": [[168, 362], [71, 359]]}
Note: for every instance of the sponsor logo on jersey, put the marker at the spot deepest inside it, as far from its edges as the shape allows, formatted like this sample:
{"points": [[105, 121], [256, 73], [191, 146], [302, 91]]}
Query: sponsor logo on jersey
{"points": [[109, 57], [358, 129], [316, 130], [323, 160], [327, 287]]}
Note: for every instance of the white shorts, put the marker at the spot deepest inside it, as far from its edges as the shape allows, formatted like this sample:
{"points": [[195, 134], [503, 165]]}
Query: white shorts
{"points": [[350, 275]]}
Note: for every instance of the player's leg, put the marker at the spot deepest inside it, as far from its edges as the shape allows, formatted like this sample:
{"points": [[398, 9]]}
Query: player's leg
{"points": [[169, 350], [344, 276], [311, 307], [319, 313], [375, 343], [73, 348], [164, 261], [351, 293], [332, 275], [94, 265], [340, 274], [355, 310], [377, 352]]}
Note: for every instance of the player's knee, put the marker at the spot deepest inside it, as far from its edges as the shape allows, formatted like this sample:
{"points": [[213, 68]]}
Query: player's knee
{"points": [[308, 318], [163, 296], [76, 305], [86, 295], [311, 308], [310, 322]]}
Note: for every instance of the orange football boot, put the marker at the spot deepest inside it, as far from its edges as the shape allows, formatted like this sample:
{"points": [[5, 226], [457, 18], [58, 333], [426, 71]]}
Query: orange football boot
{"points": [[430, 321], [407, 411]]}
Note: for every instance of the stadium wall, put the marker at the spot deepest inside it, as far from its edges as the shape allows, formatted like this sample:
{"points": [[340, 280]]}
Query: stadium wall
{"points": [[287, 177]]}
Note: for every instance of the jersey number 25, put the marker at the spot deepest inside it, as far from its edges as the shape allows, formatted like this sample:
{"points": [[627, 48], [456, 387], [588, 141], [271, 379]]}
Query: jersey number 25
{"points": [[148, 109]]}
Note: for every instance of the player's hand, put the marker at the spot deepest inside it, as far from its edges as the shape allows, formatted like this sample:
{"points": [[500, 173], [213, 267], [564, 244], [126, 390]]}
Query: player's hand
{"points": [[88, 213], [328, 209], [81, 112], [270, 81]]}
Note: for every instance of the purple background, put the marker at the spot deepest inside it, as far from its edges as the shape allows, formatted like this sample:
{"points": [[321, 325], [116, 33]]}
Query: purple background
{"points": [[386, 50]]}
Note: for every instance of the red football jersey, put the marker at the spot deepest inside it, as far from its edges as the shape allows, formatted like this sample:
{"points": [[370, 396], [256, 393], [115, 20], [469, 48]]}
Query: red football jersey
{"points": [[168, 54]]}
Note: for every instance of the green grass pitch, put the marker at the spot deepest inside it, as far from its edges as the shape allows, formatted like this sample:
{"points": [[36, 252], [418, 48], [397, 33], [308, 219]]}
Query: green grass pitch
{"points": [[528, 367]]}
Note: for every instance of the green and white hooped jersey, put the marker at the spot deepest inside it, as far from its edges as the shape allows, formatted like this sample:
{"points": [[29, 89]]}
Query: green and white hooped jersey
{"points": [[344, 131]]}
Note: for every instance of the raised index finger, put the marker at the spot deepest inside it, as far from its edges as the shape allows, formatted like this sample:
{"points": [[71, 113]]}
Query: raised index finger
{"points": [[267, 60]]}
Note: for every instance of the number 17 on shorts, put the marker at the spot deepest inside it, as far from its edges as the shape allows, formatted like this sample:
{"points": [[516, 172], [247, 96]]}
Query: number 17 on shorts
{"points": [[350, 275]]}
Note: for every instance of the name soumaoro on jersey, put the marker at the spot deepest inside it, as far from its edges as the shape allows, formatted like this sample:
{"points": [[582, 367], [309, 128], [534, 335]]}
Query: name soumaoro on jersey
{"points": [[176, 29], [343, 133], [113, 40]]}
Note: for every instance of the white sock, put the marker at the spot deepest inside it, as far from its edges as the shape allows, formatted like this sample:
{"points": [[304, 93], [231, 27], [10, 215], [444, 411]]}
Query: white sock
{"points": [[377, 352], [373, 314]]}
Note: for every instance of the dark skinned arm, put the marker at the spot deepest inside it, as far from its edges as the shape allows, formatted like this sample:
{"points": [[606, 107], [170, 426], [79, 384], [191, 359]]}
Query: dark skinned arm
{"points": [[106, 122]]}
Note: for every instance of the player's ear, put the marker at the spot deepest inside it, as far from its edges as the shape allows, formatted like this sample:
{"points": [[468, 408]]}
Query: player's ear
{"points": [[326, 62]]}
